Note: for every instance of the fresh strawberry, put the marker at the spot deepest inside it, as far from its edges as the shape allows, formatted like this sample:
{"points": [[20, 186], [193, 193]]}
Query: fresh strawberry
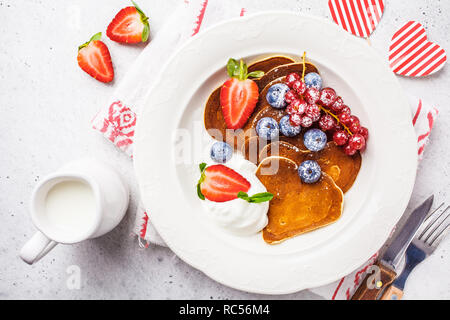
{"points": [[130, 25], [94, 58], [219, 183], [239, 94]]}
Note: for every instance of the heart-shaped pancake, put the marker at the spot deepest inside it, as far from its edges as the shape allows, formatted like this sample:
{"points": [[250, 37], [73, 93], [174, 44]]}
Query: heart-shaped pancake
{"points": [[412, 55], [297, 208]]}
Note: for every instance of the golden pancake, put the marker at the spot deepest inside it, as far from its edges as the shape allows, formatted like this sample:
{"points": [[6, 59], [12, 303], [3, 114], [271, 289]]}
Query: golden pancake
{"points": [[297, 208], [285, 150], [342, 168]]}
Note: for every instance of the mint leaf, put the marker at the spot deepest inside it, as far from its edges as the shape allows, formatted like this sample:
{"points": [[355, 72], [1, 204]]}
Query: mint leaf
{"points": [[199, 192], [255, 74], [256, 198], [202, 167]]}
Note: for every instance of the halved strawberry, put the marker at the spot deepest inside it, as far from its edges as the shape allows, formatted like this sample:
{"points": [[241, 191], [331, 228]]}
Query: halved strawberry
{"points": [[239, 95], [130, 25], [219, 183], [94, 58]]}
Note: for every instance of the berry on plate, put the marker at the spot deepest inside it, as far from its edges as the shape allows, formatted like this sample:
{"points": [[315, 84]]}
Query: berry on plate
{"points": [[312, 95], [315, 140], [287, 129], [219, 183], [327, 97], [344, 118], [239, 95], [337, 105], [221, 152], [295, 119], [340, 137], [94, 59], [364, 132], [291, 78], [299, 87], [306, 122], [290, 96], [267, 128], [297, 106], [346, 109], [357, 142], [313, 111], [327, 122], [313, 80], [349, 150], [130, 25], [309, 171], [276, 95], [354, 125]]}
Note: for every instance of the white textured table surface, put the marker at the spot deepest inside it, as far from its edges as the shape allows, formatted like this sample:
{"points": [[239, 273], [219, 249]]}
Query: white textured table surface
{"points": [[46, 104]]}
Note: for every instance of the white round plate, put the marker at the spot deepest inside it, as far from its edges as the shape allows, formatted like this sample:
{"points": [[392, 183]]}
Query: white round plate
{"points": [[174, 115]]}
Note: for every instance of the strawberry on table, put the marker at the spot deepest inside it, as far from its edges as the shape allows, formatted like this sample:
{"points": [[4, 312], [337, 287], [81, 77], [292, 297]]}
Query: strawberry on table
{"points": [[130, 25], [239, 94], [94, 58]]}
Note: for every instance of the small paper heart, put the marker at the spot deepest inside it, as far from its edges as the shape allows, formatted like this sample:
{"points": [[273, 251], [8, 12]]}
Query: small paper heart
{"points": [[412, 55], [359, 17]]}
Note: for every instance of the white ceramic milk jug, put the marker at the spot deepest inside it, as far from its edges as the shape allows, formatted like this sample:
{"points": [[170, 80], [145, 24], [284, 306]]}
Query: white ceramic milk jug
{"points": [[84, 199]]}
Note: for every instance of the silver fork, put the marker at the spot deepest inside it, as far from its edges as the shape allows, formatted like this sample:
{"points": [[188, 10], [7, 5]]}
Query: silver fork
{"points": [[428, 238]]}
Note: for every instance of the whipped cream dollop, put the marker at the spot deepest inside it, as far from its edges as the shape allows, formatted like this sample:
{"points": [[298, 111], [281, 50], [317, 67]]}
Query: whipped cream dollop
{"points": [[239, 216]]}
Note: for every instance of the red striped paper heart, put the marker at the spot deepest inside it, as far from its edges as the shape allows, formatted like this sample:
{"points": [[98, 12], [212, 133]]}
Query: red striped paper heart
{"points": [[359, 17], [412, 55]]}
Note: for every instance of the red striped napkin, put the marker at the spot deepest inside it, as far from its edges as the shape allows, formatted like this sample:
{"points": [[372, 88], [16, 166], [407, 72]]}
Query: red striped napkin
{"points": [[117, 120]]}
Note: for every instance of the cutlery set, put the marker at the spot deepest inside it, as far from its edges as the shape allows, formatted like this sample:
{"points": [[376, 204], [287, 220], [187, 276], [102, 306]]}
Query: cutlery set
{"points": [[416, 241]]}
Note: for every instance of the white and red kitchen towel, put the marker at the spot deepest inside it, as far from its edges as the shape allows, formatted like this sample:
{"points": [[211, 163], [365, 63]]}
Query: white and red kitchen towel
{"points": [[117, 120]]}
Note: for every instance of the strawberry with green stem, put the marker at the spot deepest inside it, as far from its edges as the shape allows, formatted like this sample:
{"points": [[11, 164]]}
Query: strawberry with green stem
{"points": [[94, 58], [130, 25], [239, 94]]}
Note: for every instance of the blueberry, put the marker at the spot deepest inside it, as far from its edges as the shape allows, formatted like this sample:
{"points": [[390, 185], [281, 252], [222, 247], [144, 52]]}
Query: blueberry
{"points": [[287, 129], [314, 80], [221, 152], [309, 171], [267, 128], [276, 95], [315, 140]]}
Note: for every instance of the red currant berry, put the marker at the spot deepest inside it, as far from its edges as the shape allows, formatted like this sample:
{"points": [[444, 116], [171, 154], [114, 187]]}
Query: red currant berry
{"points": [[290, 96], [298, 106], [364, 132], [349, 150], [291, 78], [299, 87], [327, 123], [340, 137], [337, 105], [344, 118], [312, 95], [357, 142], [295, 119], [346, 109], [327, 97], [354, 125], [313, 112], [306, 122]]}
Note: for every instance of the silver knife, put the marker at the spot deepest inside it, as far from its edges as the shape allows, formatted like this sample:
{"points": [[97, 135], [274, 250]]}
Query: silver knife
{"points": [[385, 270], [422, 246]]}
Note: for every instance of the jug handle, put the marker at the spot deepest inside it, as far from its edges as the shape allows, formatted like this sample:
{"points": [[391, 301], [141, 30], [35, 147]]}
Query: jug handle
{"points": [[37, 247]]}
